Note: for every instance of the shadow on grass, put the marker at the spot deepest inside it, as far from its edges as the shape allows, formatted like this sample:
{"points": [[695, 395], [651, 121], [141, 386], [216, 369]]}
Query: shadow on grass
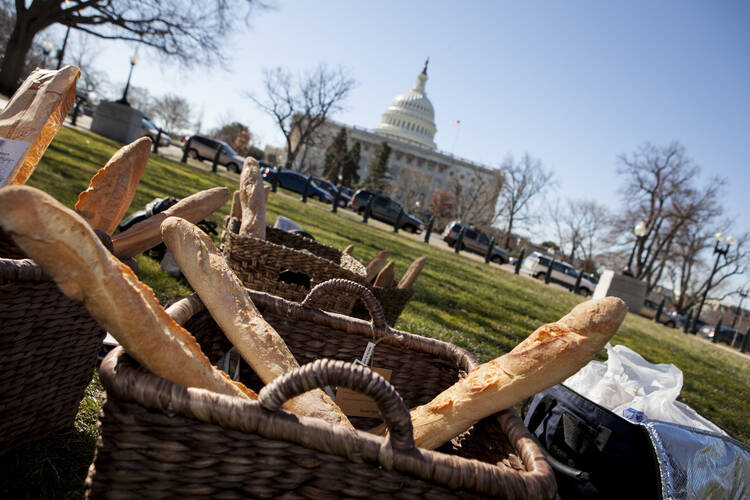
{"points": [[55, 467]]}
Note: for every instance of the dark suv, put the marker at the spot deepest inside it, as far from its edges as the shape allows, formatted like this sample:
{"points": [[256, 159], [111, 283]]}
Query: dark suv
{"points": [[294, 181], [475, 241], [204, 149], [385, 209]]}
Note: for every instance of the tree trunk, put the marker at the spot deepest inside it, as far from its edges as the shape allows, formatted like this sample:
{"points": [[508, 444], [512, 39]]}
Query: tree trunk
{"points": [[16, 50]]}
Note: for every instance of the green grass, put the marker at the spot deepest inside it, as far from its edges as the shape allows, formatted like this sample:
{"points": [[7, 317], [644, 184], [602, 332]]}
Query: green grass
{"points": [[479, 307]]}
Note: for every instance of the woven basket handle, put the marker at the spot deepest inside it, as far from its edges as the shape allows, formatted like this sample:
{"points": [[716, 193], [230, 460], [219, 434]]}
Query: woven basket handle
{"points": [[371, 303], [358, 378]]}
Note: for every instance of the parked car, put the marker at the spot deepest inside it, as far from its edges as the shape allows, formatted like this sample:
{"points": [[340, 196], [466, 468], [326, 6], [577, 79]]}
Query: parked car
{"points": [[649, 310], [204, 149], [474, 240], [294, 181], [149, 129], [385, 209], [726, 334], [332, 189], [537, 266]]}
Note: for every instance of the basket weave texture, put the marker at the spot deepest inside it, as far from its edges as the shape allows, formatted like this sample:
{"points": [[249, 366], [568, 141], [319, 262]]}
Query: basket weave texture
{"points": [[48, 351], [393, 301], [262, 264], [159, 439]]}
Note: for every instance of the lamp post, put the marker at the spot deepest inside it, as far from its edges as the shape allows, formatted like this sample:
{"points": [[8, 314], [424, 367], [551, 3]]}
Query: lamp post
{"points": [[639, 231], [46, 49], [61, 53], [743, 295], [718, 251], [133, 62]]}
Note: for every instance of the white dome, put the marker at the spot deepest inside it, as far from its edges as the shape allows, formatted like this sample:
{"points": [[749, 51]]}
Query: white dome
{"points": [[410, 117]]}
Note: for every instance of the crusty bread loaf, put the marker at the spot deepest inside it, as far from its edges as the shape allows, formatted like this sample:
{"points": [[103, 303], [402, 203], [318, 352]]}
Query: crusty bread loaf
{"points": [[147, 234], [386, 276], [34, 114], [66, 248], [548, 356], [253, 201], [231, 307], [412, 273], [349, 250], [376, 264], [236, 210], [112, 188]]}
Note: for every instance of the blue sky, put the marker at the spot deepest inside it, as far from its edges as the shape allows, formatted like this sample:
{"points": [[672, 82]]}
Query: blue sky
{"points": [[573, 83]]}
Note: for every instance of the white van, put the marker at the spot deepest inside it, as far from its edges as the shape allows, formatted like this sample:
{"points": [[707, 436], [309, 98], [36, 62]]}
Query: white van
{"points": [[536, 265]]}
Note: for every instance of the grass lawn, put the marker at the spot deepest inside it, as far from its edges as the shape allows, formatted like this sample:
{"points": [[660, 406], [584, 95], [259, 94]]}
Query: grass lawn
{"points": [[479, 307]]}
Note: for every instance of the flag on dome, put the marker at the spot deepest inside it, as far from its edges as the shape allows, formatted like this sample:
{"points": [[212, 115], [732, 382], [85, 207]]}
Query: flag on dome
{"points": [[456, 122]]}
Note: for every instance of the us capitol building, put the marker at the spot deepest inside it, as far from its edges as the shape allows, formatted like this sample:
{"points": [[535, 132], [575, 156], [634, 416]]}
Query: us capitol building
{"points": [[408, 127]]}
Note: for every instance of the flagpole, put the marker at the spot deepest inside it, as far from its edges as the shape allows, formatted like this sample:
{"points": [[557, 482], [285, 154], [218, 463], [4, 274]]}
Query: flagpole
{"points": [[457, 124]]}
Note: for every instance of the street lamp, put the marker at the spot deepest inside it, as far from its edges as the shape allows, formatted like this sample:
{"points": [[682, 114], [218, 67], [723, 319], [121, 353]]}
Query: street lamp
{"points": [[718, 251], [61, 53], [133, 62], [743, 295], [46, 49], [639, 231]]}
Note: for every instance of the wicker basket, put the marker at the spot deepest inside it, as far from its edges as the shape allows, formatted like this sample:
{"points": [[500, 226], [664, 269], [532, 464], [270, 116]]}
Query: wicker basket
{"points": [[159, 439], [288, 266], [48, 351], [393, 301]]}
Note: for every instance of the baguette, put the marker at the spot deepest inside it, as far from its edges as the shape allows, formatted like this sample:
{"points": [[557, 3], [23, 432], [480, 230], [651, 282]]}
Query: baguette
{"points": [[112, 188], [66, 248], [376, 264], [349, 250], [33, 115], [236, 210], [253, 201], [146, 234], [412, 273], [548, 356], [386, 276], [231, 307]]}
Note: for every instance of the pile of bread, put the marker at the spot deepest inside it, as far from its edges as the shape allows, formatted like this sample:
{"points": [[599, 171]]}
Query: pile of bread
{"points": [[63, 242]]}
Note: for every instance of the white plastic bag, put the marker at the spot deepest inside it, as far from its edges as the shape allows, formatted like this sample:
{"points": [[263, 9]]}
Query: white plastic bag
{"points": [[635, 389]]}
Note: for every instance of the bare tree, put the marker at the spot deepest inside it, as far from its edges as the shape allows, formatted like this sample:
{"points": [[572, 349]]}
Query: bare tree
{"points": [[524, 181], [173, 111], [93, 82], [659, 191], [191, 32], [300, 105], [579, 224], [475, 199], [410, 188], [141, 99], [442, 204]]}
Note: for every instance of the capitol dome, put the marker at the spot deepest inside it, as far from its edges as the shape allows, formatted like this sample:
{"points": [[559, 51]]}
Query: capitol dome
{"points": [[410, 117]]}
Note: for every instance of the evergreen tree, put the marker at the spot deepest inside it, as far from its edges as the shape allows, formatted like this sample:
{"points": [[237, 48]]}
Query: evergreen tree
{"points": [[335, 157], [350, 168], [378, 169]]}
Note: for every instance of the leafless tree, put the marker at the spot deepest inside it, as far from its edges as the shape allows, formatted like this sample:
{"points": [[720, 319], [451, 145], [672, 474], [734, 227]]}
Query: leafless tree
{"points": [[580, 225], [442, 204], [93, 82], [301, 104], [173, 111], [139, 98], [409, 188], [524, 181], [191, 32], [476, 197], [659, 191]]}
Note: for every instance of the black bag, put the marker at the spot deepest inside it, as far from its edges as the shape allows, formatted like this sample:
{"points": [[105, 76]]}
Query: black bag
{"points": [[594, 452]]}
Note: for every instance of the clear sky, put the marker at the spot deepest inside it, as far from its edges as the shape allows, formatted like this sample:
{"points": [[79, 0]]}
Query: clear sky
{"points": [[573, 83]]}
